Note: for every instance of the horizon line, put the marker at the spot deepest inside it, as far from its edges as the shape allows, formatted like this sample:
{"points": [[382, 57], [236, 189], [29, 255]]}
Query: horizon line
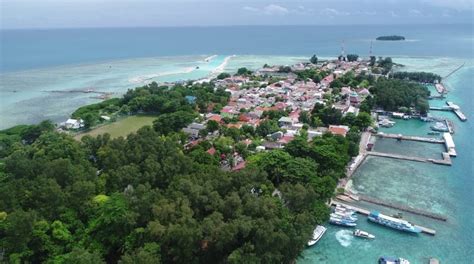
{"points": [[237, 25]]}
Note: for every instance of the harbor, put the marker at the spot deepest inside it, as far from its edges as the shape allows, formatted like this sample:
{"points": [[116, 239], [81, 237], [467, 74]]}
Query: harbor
{"points": [[366, 212]]}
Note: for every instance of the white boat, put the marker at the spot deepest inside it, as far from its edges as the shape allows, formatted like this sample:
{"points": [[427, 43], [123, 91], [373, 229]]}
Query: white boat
{"points": [[317, 234], [344, 212], [352, 218], [343, 209], [363, 234]]}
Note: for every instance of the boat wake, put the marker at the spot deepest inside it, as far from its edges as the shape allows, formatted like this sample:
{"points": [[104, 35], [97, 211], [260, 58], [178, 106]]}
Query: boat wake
{"points": [[344, 237], [147, 78]]}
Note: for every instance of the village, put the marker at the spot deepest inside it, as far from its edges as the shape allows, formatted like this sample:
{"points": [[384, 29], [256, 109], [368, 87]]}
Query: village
{"points": [[280, 90]]}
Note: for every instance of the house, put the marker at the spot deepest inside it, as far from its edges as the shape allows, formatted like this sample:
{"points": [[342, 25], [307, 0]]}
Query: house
{"points": [[354, 99], [211, 151], [338, 130], [285, 121], [73, 123], [216, 118], [314, 133], [193, 129]]}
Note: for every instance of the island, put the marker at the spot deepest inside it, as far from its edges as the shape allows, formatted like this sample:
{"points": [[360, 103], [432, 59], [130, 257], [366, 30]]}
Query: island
{"points": [[391, 38], [210, 171]]}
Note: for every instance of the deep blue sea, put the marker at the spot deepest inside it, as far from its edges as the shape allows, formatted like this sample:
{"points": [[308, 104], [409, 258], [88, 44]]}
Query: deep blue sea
{"points": [[28, 49], [36, 64]]}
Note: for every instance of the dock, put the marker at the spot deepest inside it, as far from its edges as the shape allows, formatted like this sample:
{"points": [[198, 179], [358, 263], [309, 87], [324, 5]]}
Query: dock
{"points": [[440, 88], [412, 138], [367, 212], [445, 161], [451, 107], [457, 111], [402, 208]]}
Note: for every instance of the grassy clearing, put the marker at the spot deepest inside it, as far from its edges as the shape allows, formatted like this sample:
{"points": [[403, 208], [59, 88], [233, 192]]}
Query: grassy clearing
{"points": [[120, 128]]}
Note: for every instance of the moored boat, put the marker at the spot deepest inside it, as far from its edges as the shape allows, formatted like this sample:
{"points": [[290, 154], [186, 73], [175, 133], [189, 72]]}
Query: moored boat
{"points": [[345, 217], [318, 232], [393, 260], [393, 222], [439, 127], [341, 222], [363, 234]]}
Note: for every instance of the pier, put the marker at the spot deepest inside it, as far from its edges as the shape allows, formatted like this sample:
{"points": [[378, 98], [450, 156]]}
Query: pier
{"points": [[451, 107], [445, 161], [402, 208], [367, 212], [455, 70], [412, 138]]}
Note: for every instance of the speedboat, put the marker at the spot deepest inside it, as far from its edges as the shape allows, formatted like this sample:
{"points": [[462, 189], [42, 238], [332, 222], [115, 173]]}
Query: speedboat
{"points": [[363, 234], [317, 234], [393, 260]]}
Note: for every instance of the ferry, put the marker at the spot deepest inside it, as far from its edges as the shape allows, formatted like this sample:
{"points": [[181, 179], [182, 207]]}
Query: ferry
{"points": [[317, 234], [343, 208], [392, 222], [363, 234], [393, 260], [341, 222]]}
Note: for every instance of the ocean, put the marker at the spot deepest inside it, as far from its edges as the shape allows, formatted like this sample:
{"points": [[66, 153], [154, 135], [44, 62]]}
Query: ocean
{"points": [[41, 81]]}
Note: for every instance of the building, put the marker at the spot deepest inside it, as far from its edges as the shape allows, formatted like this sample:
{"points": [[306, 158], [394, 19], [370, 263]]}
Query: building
{"points": [[338, 130], [285, 121], [193, 129], [73, 124]]}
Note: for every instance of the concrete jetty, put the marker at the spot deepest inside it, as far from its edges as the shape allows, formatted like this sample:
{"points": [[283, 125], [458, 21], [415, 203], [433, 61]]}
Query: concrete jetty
{"points": [[451, 107], [445, 161], [412, 138], [402, 208], [367, 212], [457, 110]]}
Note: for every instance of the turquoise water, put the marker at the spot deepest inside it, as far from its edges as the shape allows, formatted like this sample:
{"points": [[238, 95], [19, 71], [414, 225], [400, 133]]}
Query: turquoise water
{"points": [[409, 148], [436, 188]]}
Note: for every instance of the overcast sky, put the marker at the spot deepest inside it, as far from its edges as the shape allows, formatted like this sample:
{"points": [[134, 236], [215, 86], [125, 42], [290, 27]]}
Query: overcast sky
{"points": [[149, 13]]}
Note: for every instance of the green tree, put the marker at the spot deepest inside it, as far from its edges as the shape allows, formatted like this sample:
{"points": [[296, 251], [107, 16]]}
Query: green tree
{"points": [[314, 59]]}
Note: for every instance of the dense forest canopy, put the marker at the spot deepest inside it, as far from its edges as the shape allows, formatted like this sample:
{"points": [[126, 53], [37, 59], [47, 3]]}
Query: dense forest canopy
{"points": [[391, 37], [391, 94], [425, 77]]}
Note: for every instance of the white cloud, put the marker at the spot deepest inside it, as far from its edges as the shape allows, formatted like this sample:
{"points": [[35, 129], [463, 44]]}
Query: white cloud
{"points": [[393, 14], [251, 9], [415, 12], [275, 10], [331, 12], [271, 9]]}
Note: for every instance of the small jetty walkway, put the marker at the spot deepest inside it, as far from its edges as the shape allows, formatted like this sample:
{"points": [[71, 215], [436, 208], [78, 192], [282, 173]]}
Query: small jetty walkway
{"points": [[412, 138], [402, 208], [445, 161], [455, 70], [367, 212]]}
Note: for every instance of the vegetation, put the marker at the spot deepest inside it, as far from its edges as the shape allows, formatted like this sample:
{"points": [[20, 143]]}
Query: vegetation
{"points": [[145, 199], [314, 59], [244, 71], [223, 75], [425, 77], [313, 74], [391, 94], [352, 57], [391, 37]]}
